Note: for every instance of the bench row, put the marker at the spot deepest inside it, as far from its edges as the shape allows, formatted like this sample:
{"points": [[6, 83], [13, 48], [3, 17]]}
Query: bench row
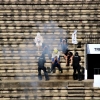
{"points": [[49, 2], [86, 22], [32, 64], [28, 47], [50, 12], [49, 32], [26, 60], [55, 29], [46, 18], [93, 6], [47, 35], [49, 95], [48, 25], [54, 89]]}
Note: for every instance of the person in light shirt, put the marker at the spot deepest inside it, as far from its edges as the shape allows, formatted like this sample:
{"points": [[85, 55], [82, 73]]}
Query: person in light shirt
{"points": [[56, 60], [39, 41]]}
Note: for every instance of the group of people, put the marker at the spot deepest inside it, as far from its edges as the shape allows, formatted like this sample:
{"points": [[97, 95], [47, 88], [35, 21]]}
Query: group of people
{"points": [[73, 60]]}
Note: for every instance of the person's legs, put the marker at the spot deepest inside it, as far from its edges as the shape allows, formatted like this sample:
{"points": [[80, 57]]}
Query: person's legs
{"points": [[66, 59], [45, 74], [79, 73], [53, 67], [74, 72], [59, 67], [39, 74], [71, 60], [37, 44]]}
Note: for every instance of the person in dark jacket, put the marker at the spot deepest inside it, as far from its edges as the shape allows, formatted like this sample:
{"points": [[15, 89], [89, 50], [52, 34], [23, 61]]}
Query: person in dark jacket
{"points": [[41, 66], [76, 66], [46, 50]]}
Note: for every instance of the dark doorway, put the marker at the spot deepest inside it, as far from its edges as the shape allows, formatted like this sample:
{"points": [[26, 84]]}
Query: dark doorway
{"points": [[93, 61]]}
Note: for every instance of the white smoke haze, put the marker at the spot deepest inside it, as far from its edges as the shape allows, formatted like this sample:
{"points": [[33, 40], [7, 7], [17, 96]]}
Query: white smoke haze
{"points": [[25, 48]]}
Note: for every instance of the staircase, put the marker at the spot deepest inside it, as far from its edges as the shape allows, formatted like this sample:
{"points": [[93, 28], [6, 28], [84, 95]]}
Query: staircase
{"points": [[20, 20]]}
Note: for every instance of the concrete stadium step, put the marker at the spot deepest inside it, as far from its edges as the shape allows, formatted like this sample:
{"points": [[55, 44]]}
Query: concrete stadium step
{"points": [[23, 55], [45, 36], [19, 24], [69, 14], [75, 23], [19, 77], [26, 60], [48, 89], [24, 46], [17, 55], [17, 18], [32, 69], [63, 7], [33, 64], [43, 83], [29, 60], [28, 69], [31, 41], [47, 95], [49, 2]]}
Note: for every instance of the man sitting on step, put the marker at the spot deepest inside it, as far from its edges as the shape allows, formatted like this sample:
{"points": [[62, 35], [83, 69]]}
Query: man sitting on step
{"points": [[41, 63], [56, 60]]}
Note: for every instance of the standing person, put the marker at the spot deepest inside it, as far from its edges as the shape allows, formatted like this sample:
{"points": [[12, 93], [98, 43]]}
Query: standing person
{"points": [[64, 46], [38, 40], [56, 60], [41, 66], [68, 56], [46, 50], [76, 66]]}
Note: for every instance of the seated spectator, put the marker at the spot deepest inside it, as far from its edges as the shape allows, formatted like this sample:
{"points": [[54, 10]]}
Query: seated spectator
{"points": [[68, 57], [38, 41], [46, 50], [41, 66], [56, 60]]}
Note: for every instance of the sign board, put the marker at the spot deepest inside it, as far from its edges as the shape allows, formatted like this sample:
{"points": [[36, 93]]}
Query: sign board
{"points": [[93, 48], [74, 37], [96, 81]]}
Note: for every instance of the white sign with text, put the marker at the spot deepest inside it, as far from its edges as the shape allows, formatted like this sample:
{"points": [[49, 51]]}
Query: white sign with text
{"points": [[74, 37], [93, 48]]}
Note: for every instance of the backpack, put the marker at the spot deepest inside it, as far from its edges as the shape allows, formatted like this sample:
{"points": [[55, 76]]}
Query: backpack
{"points": [[41, 62]]}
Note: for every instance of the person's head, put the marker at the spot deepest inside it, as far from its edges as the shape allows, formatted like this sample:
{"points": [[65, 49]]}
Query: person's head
{"points": [[38, 34], [55, 50], [70, 54], [76, 53], [64, 41]]}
